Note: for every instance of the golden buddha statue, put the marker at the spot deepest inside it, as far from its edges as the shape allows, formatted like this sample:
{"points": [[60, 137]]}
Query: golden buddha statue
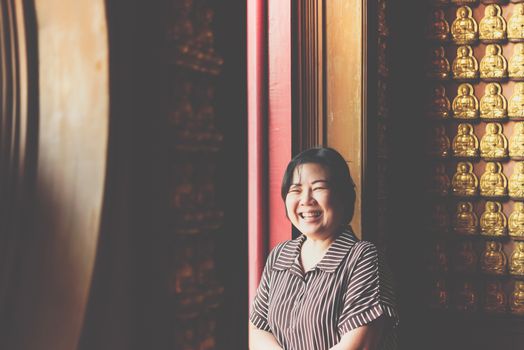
{"points": [[466, 258], [438, 258], [493, 183], [516, 24], [440, 181], [516, 182], [494, 297], [493, 144], [383, 29], [439, 65], [493, 222], [466, 297], [465, 143], [516, 102], [439, 297], [516, 304], [439, 106], [465, 104], [492, 26], [440, 143], [516, 142], [465, 65], [440, 217], [464, 181], [516, 221], [493, 105], [516, 63], [493, 65], [464, 28], [438, 26], [516, 262], [494, 260], [465, 220]]}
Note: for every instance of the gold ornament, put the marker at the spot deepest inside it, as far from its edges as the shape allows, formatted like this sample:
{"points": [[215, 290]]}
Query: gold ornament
{"points": [[494, 260], [464, 28], [465, 104], [493, 183]]}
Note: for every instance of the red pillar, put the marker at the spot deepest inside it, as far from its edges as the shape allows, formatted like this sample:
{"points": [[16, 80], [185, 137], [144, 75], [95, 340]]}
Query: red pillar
{"points": [[269, 127]]}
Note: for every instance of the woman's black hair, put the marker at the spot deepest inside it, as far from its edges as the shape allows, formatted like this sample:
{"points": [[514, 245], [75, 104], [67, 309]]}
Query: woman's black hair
{"points": [[340, 179]]}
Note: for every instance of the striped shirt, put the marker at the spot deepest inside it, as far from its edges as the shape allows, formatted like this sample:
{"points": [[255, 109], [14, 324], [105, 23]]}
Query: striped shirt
{"points": [[347, 289]]}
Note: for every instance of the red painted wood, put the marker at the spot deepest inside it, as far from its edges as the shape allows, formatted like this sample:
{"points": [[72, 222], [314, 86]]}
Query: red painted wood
{"points": [[279, 127], [269, 127], [257, 144]]}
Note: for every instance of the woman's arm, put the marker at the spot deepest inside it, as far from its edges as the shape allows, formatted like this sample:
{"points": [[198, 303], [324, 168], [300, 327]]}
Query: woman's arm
{"points": [[261, 340], [366, 337]]}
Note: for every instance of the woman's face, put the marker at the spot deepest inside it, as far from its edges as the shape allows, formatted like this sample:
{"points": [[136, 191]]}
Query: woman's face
{"points": [[311, 204]]}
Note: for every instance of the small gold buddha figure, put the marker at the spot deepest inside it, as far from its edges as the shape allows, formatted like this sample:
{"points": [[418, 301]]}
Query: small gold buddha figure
{"points": [[439, 67], [492, 26], [464, 28], [438, 258], [493, 183], [493, 65], [465, 258], [516, 262], [440, 217], [465, 104], [516, 182], [440, 143], [465, 65], [493, 144], [383, 68], [516, 63], [493, 260], [493, 105], [465, 220], [493, 222], [438, 26], [383, 29], [465, 143], [516, 221], [516, 142], [494, 297], [464, 182], [439, 106], [466, 297], [516, 102], [440, 181], [516, 304], [516, 24], [439, 296]]}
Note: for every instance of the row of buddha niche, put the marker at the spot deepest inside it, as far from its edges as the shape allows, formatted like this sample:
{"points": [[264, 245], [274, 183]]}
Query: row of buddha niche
{"points": [[466, 298], [493, 183], [464, 29], [493, 260], [465, 258], [492, 222], [493, 104], [465, 144], [493, 66]]}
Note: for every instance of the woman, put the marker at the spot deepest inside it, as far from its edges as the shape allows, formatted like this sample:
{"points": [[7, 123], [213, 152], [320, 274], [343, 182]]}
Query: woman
{"points": [[324, 289]]}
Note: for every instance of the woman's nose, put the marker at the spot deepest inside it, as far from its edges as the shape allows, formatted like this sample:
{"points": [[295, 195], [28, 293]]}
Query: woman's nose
{"points": [[307, 197]]}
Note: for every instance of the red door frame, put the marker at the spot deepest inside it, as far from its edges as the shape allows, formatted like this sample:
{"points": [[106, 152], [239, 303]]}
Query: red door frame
{"points": [[269, 127]]}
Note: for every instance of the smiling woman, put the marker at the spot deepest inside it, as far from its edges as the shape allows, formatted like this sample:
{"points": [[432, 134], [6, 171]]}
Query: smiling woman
{"points": [[324, 289]]}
